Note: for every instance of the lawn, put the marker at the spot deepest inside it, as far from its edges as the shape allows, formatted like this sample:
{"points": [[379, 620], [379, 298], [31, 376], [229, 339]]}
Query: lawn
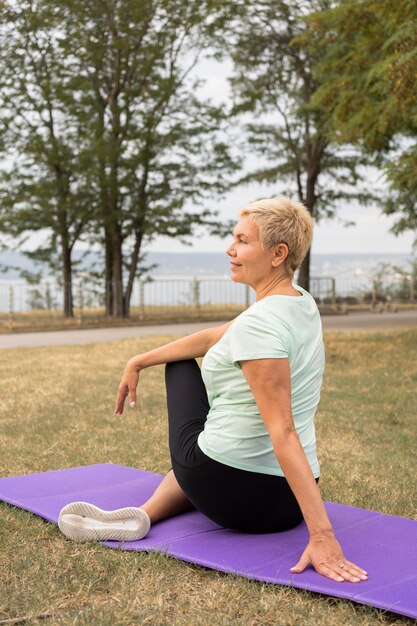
{"points": [[56, 411], [34, 321]]}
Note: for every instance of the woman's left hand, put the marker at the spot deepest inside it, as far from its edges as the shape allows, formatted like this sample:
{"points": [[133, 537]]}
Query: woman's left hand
{"points": [[127, 388], [324, 553]]}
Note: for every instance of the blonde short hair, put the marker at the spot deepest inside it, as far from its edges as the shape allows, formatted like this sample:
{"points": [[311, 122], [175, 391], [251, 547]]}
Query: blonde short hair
{"points": [[282, 220]]}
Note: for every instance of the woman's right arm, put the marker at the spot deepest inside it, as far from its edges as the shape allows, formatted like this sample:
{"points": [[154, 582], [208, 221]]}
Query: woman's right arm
{"points": [[189, 347]]}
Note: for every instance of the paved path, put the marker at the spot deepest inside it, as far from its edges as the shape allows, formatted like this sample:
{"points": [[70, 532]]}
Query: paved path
{"points": [[336, 323]]}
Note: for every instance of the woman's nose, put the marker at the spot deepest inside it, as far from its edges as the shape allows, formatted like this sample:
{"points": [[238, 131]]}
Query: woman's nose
{"points": [[230, 250]]}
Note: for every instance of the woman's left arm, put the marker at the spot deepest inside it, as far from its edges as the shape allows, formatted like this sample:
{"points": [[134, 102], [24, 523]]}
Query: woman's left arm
{"points": [[270, 382]]}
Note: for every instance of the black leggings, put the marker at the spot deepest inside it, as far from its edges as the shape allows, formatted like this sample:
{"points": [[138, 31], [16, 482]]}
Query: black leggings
{"points": [[234, 498]]}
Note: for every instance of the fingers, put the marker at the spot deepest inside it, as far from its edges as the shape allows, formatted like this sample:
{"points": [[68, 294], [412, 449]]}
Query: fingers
{"points": [[132, 398], [127, 388], [120, 401], [327, 571], [301, 565], [343, 571], [353, 572]]}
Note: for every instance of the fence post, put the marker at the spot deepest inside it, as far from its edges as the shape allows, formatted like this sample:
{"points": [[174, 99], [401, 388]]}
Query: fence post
{"points": [[141, 298], [333, 292], [10, 306], [196, 294], [247, 296], [411, 287]]}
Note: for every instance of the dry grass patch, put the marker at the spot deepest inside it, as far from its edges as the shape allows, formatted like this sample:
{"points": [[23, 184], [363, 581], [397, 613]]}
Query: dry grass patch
{"points": [[56, 410], [96, 318]]}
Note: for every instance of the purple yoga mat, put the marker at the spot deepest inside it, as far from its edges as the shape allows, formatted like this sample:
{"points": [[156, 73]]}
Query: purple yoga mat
{"points": [[384, 545]]}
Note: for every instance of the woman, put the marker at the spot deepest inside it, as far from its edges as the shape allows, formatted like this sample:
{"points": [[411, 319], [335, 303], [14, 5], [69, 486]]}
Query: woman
{"points": [[241, 432]]}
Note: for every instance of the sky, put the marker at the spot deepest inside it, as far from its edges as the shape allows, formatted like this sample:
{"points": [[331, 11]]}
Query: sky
{"points": [[371, 233]]}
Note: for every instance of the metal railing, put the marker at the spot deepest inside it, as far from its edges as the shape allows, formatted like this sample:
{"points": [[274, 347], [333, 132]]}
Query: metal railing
{"points": [[190, 296], [160, 292]]}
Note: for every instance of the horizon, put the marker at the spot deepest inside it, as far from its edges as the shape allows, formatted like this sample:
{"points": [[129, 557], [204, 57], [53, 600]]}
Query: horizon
{"points": [[214, 263], [369, 232]]}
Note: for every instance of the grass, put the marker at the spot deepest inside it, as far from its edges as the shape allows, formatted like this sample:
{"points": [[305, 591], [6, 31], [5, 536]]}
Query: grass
{"points": [[56, 410], [47, 320]]}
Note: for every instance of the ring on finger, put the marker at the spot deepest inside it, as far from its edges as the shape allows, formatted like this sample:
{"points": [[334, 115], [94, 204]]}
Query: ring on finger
{"points": [[342, 565]]}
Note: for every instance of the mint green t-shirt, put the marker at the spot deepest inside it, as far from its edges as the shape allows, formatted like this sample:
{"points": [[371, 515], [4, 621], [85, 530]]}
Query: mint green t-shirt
{"points": [[275, 327]]}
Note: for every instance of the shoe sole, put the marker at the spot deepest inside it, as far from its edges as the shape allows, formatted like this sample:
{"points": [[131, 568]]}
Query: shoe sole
{"points": [[82, 521]]}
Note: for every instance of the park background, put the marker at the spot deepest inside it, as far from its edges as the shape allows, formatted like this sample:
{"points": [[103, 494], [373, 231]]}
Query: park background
{"points": [[108, 147], [134, 129]]}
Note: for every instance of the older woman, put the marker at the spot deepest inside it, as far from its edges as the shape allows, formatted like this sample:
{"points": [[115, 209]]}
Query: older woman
{"points": [[241, 431]]}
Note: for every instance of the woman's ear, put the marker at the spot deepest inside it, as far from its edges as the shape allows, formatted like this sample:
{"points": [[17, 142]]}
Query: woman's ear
{"points": [[280, 254]]}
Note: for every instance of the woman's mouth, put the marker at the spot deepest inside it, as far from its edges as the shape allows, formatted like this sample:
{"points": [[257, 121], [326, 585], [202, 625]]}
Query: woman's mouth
{"points": [[234, 265]]}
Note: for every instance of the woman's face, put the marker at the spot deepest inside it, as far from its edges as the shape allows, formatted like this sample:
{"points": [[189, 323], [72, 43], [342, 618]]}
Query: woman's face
{"points": [[249, 262]]}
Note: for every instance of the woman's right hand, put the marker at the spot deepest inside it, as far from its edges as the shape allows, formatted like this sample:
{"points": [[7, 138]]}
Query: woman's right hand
{"points": [[127, 387], [324, 553]]}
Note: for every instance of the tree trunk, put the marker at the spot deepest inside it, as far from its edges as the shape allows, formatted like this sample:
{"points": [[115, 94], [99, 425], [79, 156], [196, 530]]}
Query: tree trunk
{"points": [[67, 278], [116, 230], [104, 207], [66, 246], [132, 273], [117, 277], [304, 275], [314, 153], [108, 272], [142, 204]]}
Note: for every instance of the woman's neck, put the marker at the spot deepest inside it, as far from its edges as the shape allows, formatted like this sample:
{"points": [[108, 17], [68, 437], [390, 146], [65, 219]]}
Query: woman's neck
{"points": [[276, 286]]}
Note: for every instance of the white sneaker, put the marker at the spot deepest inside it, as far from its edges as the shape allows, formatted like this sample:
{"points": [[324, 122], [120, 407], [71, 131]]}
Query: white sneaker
{"points": [[81, 521]]}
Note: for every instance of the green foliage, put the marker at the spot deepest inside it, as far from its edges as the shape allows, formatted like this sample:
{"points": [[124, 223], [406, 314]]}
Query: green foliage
{"points": [[368, 72], [44, 186], [396, 282], [109, 140], [274, 84], [41, 299], [368, 83], [402, 201], [274, 79]]}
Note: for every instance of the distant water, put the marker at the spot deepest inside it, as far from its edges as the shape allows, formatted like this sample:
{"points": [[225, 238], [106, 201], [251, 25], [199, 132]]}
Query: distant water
{"points": [[355, 265], [329, 265], [352, 273], [217, 264]]}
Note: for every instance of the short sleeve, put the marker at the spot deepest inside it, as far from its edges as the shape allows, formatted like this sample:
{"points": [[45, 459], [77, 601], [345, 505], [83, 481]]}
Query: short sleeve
{"points": [[252, 337]]}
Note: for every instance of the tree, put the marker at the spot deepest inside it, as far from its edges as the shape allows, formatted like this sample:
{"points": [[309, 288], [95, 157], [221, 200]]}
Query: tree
{"points": [[274, 79], [43, 186], [368, 85], [113, 134], [157, 147]]}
